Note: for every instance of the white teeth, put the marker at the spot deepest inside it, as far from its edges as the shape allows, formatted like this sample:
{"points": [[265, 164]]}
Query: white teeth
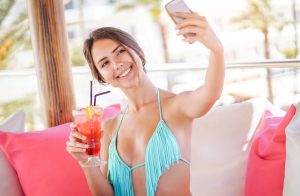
{"points": [[125, 73]]}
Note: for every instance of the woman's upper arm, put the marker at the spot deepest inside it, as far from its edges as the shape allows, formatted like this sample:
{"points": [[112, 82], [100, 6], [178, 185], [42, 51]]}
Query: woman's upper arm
{"points": [[192, 104]]}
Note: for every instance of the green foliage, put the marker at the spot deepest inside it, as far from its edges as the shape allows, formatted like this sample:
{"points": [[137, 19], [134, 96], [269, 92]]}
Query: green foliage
{"points": [[77, 57], [14, 37], [259, 15], [154, 6], [27, 104], [5, 6], [289, 53], [126, 6]]}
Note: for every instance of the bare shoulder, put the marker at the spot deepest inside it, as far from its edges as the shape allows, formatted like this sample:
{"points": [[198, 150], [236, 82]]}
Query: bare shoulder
{"points": [[171, 101], [164, 94], [170, 98]]}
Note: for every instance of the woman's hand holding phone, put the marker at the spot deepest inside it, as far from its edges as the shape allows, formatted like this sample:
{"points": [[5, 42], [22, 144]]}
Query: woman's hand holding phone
{"points": [[192, 26], [198, 29]]}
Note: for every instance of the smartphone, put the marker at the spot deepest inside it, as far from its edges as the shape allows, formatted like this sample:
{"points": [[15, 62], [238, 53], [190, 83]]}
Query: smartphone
{"points": [[176, 6]]}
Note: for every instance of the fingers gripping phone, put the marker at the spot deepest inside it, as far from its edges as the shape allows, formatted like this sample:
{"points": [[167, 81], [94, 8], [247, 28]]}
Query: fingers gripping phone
{"points": [[176, 6]]}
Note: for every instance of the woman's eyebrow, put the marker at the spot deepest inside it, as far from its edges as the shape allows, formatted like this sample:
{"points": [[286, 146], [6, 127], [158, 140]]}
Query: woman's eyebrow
{"points": [[118, 46], [113, 51]]}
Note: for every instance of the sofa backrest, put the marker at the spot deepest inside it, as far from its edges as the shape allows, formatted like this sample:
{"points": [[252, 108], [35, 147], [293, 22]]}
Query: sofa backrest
{"points": [[220, 145]]}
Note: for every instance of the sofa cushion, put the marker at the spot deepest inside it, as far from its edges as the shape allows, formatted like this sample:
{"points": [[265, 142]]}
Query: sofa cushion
{"points": [[10, 185], [14, 123], [42, 163], [220, 146], [292, 165], [265, 169]]}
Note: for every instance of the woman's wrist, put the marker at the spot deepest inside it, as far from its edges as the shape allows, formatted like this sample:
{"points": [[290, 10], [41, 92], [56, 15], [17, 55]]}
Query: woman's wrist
{"points": [[218, 49]]}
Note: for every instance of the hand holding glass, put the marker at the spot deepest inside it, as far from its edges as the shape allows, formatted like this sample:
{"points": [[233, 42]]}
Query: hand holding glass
{"points": [[88, 121]]}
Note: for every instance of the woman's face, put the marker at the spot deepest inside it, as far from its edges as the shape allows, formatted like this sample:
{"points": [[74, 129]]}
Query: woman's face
{"points": [[115, 64]]}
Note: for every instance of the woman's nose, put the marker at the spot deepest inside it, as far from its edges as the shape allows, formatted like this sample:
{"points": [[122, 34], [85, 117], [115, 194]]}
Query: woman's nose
{"points": [[118, 65]]}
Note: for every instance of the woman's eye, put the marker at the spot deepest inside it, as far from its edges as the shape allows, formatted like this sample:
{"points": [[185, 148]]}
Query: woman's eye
{"points": [[121, 51], [104, 64]]}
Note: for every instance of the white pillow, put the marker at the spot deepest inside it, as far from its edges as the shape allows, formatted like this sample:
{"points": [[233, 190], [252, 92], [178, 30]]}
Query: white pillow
{"points": [[14, 123], [220, 146], [292, 165], [10, 185]]}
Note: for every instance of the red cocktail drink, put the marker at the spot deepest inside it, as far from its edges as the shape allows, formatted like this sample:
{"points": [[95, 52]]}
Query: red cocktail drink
{"points": [[91, 128], [88, 121]]}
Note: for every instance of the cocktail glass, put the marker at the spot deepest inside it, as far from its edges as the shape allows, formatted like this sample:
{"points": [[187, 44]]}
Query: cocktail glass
{"points": [[88, 121]]}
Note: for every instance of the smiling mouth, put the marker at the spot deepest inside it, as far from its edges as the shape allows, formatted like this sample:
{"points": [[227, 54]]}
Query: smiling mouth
{"points": [[125, 73]]}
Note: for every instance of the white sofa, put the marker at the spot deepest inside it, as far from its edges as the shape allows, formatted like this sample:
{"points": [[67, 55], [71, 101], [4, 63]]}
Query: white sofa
{"points": [[220, 144]]}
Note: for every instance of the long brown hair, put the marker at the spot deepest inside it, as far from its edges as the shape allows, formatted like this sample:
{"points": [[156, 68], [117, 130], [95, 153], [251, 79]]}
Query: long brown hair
{"points": [[114, 34]]}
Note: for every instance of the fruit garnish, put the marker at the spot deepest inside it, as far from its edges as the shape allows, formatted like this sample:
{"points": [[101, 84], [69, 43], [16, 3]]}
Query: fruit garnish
{"points": [[89, 111]]}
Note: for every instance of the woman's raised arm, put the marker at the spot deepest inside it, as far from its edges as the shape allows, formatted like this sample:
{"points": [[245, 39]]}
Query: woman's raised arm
{"points": [[194, 104]]}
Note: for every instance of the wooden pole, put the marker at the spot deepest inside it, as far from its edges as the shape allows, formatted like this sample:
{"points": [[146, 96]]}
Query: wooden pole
{"points": [[49, 41]]}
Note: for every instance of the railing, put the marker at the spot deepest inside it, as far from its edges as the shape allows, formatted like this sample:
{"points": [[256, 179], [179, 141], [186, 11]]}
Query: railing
{"points": [[293, 63], [242, 79]]}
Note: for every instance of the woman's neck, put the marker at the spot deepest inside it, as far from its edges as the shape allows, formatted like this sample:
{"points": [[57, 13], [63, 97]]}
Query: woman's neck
{"points": [[140, 96]]}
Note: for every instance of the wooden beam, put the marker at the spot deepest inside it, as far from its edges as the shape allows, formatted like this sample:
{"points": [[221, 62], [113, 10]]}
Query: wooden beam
{"points": [[50, 45]]}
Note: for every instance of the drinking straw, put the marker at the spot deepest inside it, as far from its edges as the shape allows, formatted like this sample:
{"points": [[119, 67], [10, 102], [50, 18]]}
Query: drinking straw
{"points": [[91, 92], [95, 96]]}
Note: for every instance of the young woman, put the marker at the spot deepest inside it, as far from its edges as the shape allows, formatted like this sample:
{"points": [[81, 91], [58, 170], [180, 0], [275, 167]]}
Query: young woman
{"points": [[147, 146]]}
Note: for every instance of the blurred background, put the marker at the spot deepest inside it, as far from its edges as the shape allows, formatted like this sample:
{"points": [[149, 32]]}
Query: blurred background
{"points": [[255, 35]]}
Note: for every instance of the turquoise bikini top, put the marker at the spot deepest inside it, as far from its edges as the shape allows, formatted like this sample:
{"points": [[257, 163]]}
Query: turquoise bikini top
{"points": [[162, 152]]}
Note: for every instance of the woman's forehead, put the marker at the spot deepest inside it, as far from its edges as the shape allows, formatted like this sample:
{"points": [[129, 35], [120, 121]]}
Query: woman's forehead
{"points": [[104, 47], [105, 44]]}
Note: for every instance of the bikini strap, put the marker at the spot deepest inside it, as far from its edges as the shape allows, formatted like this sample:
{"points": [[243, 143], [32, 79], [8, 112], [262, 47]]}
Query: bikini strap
{"points": [[185, 161], [124, 112], [159, 105]]}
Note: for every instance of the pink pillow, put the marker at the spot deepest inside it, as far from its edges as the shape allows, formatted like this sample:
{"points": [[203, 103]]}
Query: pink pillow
{"points": [[111, 111], [43, 165], [265, 169]]}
